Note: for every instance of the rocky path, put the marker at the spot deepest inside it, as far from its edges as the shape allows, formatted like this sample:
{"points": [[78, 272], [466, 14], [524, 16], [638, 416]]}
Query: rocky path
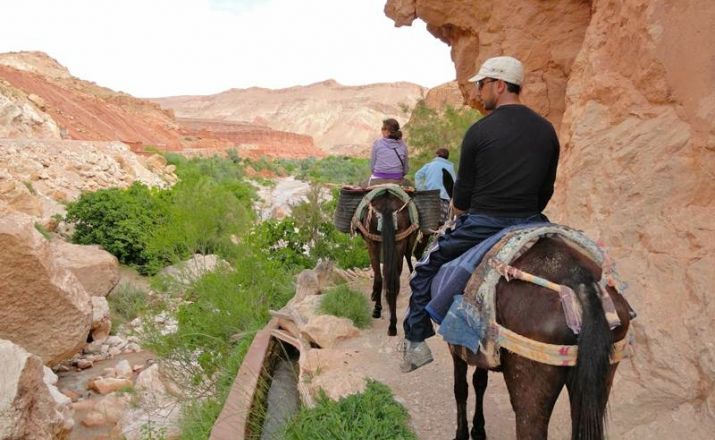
{"points": [[427, 392]]}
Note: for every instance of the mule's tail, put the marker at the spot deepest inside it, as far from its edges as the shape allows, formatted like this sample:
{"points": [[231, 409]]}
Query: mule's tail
{"points": [[390, 259], [589, 382]]}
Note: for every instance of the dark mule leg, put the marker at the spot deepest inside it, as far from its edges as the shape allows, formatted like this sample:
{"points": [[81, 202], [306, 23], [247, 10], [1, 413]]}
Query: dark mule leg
{"points": [[479, 381], [391, 265], [373, 249], [461, 393], [533, 391]]}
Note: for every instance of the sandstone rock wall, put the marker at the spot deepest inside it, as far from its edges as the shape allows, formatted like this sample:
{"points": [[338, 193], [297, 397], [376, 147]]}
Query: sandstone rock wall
{"points": [[630, 86]]}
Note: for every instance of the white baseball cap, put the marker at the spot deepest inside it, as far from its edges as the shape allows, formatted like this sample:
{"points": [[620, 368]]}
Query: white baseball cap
{"points": [[507, 69]]}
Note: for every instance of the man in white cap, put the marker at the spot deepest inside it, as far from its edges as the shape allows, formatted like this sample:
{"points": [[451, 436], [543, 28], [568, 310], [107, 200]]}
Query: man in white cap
{"points": [[505, 178]]}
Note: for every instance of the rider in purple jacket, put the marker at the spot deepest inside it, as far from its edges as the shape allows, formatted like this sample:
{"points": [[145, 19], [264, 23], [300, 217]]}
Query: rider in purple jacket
{"points": [[388, 159]]}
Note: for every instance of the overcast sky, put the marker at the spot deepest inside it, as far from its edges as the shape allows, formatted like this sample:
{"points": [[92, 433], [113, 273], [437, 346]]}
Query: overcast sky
{"points": [[152, 48]]}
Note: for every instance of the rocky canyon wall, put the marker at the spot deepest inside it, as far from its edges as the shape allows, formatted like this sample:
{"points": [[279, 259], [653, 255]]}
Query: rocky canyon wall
{"points": [[629, 86]]}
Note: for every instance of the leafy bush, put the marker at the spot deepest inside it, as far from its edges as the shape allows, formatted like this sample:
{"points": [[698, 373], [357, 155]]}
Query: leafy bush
{"points": [[121, 221], [346, 303], [202, 217], [373, 414], [299, 241], [428, 130], [151, 228]]}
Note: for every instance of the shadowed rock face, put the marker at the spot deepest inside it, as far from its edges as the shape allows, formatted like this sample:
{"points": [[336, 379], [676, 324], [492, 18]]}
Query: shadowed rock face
{"points": [[629, 86]]}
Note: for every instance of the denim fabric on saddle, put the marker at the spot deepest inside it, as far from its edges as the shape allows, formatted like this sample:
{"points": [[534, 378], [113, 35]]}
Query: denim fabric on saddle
{"points": [[468, 232]]}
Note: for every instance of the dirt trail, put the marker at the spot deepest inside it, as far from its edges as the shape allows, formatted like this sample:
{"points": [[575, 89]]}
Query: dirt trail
{"points": [[427, 392]]}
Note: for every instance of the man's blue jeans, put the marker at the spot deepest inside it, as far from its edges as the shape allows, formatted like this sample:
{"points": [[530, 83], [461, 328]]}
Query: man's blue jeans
{"points": [[469, 231]]}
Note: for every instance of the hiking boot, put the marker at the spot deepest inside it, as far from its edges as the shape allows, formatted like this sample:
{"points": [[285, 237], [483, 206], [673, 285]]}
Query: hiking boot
{"points": [[416, 355]]}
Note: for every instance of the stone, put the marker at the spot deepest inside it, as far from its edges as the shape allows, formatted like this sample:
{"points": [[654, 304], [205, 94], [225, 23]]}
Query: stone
{"points": [[28, 408], [112, 407], [328, 330], [123, 369], [45, 308], [83, 364], [101, 322], [106, 385], [189, 271], [95, 268], [94, 419], [338, 384]]}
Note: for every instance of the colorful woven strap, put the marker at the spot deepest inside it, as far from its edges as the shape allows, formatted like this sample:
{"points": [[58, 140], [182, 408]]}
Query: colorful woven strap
{"points": [[559, 355]]}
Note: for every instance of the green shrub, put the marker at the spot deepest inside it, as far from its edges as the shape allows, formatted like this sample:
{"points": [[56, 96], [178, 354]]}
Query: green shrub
{"points": [[346, 303], [201, 218], [373, 415], [121, 221], [428, 130], [299, 241]]}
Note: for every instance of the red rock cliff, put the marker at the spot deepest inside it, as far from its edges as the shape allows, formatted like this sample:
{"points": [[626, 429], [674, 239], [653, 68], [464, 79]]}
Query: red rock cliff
{"points": [[629, 85]]}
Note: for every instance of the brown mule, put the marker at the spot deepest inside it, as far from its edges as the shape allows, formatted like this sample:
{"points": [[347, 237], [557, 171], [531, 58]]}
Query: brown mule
{"points": [[393, 246], [536, 313]]}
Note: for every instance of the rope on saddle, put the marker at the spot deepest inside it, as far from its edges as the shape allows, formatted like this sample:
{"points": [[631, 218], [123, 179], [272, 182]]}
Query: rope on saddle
{"points": [[571, 306], [365, 211]]}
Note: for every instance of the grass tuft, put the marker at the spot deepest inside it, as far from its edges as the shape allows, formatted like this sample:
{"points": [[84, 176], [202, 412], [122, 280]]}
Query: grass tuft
{"points": [[373, 414], [346, 303]]}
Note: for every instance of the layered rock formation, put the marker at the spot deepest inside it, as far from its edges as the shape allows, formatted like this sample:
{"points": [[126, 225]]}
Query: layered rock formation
{"points": [[341, 119], [629, 85], [248, 140], [83, 110]]}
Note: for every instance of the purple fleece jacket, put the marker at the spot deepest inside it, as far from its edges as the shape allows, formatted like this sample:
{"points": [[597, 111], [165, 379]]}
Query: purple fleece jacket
{"points": [[383, 159]]}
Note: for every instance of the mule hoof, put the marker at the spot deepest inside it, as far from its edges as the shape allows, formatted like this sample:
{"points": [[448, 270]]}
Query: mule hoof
{"points": [[391, 332], [479, 434], [376, 314]]}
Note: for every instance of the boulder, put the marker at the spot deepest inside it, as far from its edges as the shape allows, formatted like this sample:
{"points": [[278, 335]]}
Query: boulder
{"points": [[154, 406], [28, 407], [95, 268], [106, 385], [101, 322], [191, 270], [327, 330], [46, 309]]}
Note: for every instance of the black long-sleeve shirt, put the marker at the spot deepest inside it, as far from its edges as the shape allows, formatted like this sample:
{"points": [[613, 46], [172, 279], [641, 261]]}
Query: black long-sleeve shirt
{"points": [[508, 164]]}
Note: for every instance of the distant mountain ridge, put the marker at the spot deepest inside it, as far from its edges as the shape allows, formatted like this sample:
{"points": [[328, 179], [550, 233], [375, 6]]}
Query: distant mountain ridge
{"points": [[40, 99], [341, 119]]}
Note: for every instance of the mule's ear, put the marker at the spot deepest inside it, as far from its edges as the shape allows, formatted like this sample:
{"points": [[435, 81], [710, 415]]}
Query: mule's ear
{"points": [[448, 182]]}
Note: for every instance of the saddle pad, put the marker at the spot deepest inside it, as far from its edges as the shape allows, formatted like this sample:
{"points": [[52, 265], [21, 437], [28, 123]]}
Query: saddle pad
{"points": [[468, 320], [395, 190]]}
